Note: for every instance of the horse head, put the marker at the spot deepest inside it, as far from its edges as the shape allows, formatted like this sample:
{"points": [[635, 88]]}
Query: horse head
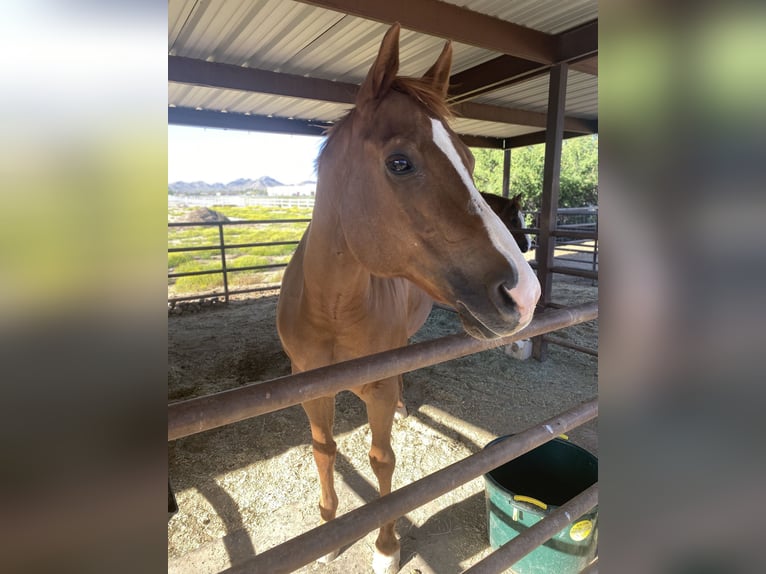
{"points": [[510, 213], [407, 203]]}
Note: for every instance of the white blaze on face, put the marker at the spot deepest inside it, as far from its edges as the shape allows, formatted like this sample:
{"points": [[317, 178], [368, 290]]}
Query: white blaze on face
{"points": [[527, 290]]}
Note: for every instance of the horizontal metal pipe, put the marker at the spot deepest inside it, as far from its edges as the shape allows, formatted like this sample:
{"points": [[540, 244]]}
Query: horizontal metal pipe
{"points": [[200, 248], [191, 273], [198, 296], [563, 232], [566, 270], [230, 246], [256, 267], [568, 345], [574, 247], [228, 270], [353, 525], [243, 222], [204, 413], [215, 294], [574, 233], [507, 555], [571, 260]]}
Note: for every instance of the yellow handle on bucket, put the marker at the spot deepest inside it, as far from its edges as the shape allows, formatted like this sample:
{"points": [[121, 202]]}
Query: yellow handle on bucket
{"points": [[530, 500]]}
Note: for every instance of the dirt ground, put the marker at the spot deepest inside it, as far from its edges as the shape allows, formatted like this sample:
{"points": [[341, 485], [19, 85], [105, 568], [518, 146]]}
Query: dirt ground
{"points": [[247, 487]]}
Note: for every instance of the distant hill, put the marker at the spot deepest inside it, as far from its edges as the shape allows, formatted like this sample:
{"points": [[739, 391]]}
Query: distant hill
{"points": [[233, 187]]}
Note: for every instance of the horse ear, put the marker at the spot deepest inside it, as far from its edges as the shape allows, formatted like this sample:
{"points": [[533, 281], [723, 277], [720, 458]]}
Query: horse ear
{"points": [[517, 198], [383, 70], [438, 74]]}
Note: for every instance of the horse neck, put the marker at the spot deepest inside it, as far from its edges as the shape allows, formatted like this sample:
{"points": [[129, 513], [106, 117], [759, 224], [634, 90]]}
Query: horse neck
{"points": [[333, 276]]}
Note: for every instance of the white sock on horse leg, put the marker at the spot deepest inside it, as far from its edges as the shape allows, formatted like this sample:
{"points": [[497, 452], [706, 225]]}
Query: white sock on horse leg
{"points": [[385, 564], [329, 557]]}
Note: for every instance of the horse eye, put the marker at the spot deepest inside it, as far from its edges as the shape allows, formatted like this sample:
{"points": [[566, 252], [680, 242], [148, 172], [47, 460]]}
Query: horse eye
{"points": [[398, 164]]}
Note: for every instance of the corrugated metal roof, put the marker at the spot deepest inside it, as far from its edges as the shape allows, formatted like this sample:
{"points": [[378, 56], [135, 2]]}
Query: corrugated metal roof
{"points": [[300, 39], [581, 95], [489, 129], [549, 16]]}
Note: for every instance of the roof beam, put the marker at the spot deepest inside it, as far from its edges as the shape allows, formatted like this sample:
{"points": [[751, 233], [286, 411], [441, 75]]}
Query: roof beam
{"points": [[481, 141], [533, 139], [453, 22], [504, 115], [212, 119], [587, 65], [233, 121], [576, 44], [231, 77], [490, 75]]}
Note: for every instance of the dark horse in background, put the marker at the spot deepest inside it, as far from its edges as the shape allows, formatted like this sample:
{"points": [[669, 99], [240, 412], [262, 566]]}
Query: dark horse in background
{"points": [[397, 224], [509, 212]]}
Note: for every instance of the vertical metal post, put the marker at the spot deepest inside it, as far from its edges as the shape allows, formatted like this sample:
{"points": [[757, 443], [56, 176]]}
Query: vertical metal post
{"points": [[595, 252], [546, 243], [506, 172], [223, 264]]}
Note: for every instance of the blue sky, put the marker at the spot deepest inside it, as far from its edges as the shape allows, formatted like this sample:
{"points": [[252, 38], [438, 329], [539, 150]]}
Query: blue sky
{"points": [[216, 155]]}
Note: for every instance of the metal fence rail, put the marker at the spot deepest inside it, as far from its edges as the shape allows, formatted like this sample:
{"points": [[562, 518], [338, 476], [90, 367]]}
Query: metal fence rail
{"points": [[355, 524], [204, 413], [221, 247], [574, 225], [200, 414]]}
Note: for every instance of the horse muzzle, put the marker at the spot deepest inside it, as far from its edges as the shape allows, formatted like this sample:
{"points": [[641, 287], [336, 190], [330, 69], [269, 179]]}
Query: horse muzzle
{"points": [[503, 312]]}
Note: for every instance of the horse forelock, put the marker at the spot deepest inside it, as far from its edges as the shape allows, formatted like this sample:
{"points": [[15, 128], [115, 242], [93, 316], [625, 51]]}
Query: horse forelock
{"points": [[420, 89]]}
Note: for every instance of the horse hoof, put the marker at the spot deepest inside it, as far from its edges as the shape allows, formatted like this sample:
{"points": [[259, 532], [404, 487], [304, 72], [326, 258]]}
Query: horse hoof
{"points": [[384, 564], [329, 557], [400, 412]]}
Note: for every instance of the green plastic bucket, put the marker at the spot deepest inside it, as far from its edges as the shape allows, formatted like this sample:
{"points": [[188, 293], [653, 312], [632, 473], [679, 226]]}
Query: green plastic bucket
{"points": [[523, 491]]}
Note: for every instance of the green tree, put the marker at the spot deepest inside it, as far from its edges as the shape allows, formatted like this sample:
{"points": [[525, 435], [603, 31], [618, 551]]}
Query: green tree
{"points": [[579, 172], [578, 182], [488, 172]]}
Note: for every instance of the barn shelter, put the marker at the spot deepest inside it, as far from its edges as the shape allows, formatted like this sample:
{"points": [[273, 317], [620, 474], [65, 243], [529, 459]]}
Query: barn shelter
{"points": [[522, 73]]}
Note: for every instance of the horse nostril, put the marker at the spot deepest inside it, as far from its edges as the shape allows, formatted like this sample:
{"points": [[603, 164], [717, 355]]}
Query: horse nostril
{"points": [[505, 293]]}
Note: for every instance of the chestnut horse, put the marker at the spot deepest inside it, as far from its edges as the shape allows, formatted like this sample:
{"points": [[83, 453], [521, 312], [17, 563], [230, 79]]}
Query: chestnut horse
{"points": [[397, 223], [509, 212]]}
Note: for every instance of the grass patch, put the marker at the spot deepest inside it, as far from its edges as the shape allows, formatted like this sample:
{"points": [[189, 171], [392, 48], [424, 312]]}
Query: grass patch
{"points": [[235, 258], [197, 284]]}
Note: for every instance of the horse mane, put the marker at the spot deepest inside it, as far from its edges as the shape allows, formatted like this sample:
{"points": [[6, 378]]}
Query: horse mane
{"points": [[420, 89]]}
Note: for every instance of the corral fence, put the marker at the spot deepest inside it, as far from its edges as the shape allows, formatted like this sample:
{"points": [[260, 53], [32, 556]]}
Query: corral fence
{"points": [[576, 233], [204, 413], [577, 236], [241, 200], [221, 247]]}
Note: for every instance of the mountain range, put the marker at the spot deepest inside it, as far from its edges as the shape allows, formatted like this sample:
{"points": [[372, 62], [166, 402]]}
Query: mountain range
{"points": [[233, 187]]}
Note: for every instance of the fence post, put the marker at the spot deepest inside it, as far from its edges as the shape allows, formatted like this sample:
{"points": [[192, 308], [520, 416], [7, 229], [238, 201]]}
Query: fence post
{"points": [[506, 172], [546, 243], [223, 263], [595, 251]]}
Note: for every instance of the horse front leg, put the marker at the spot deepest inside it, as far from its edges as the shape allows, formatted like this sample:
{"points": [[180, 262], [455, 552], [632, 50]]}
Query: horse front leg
{"points": [[381, 399], [401, 407], [321, 414]]}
